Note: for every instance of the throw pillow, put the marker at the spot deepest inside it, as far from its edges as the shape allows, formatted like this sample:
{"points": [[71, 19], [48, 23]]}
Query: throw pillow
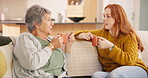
{"points": [[7, 51], [4, 40], [3, 64]]}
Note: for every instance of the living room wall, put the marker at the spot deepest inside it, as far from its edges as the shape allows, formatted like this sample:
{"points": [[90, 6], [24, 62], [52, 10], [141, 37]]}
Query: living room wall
{"points": [[55, 6], [143, 15], [13, 8]]}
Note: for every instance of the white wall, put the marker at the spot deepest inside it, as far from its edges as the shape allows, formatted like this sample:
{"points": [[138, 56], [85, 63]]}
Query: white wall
{"points": [[143, 15], [128, 6], [13, 8], [55, 6], [136, 15]]}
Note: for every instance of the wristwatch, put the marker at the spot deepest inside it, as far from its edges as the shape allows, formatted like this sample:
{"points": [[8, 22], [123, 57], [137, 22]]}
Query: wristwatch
{"points": [[111, 48]]}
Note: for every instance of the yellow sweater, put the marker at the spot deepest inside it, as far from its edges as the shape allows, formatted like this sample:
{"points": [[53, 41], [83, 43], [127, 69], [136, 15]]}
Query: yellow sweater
{"points": [[125, 52]]}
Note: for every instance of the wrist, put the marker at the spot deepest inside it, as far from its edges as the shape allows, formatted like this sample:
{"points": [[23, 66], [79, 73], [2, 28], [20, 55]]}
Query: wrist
{"points": [[51, 46], [68, 44], [111, 47], [68, 48]]}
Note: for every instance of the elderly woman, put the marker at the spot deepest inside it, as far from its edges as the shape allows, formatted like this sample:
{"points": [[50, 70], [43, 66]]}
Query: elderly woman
{"points": [[35, 53]]}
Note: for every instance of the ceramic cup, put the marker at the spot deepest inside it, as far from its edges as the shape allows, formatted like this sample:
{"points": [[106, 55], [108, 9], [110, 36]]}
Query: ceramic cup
{"points": [[64, 36], [95, 41]]}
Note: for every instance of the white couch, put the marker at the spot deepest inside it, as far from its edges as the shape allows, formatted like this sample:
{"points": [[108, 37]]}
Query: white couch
{"points": [[82, 60]]}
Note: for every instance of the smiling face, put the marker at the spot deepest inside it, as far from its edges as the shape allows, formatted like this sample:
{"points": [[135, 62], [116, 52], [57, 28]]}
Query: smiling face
{"points": [[46, 26], [108, 20]]}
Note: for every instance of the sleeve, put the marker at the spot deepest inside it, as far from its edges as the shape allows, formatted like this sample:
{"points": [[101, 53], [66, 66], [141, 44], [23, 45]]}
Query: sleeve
{"points": [[29, 54], [127, 56]]}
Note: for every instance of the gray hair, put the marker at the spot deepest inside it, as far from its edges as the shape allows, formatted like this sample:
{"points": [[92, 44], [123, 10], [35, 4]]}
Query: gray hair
{"points": [[34, 15]]}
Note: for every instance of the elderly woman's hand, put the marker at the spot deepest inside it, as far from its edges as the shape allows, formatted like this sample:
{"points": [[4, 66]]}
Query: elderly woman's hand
{"points": [[70, 41], [70, 38], [56, 42]]}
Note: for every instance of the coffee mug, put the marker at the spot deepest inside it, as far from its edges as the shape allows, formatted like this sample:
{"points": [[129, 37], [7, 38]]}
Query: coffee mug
{"points": [[64, 37], [95, 41]]}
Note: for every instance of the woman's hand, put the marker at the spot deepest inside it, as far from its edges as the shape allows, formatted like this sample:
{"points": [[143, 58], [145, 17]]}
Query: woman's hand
{"points": [[56, 42], [86, 36], [70, 38], [104, 43], [69, 42]]}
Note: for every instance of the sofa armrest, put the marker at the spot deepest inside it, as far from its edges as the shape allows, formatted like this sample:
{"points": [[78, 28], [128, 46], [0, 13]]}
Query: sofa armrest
{"points": [[144, 37], [83, 60]]}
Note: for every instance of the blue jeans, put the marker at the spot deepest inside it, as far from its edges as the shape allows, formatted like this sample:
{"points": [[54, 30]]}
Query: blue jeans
{"points": [[122, 72]]}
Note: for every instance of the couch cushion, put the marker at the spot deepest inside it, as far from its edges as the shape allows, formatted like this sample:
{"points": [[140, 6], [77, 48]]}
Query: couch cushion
{"points": [[6, 52], [144, 38], [83, 59]]}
